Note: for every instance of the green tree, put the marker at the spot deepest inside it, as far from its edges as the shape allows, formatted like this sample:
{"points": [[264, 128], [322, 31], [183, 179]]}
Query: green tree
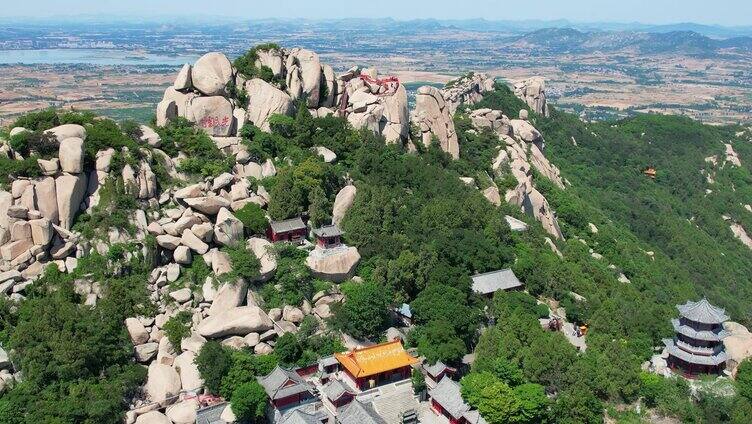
{"points": [[438, 341], [213, 362], [244, 369], [507, 372], [364, 314], [533, 403], [318, 211], [472, 386], [287, 199], [419, 381], [578, 405], [244, 262], [249, 402], [744, 379], [288, 349], [253, 219]]}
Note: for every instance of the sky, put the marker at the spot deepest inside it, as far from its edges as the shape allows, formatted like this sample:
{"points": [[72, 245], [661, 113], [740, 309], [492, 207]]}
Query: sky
{"points": [[721, 12]]}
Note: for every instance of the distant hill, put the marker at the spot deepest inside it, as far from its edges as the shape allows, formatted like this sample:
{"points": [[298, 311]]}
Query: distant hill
{"points": [[562, 40]]}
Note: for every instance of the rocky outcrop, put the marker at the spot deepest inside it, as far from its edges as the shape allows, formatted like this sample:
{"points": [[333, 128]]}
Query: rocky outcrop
{"points": [[738, 345], [214, 114], [336, 264], [520, 150], [741, 234], [263, 250], [731, 156], [305, 65], [266, 100], [342, 203], [533, 92], [433, 117], [67, 131], [467, 90], [238, 321], [162, 383]]}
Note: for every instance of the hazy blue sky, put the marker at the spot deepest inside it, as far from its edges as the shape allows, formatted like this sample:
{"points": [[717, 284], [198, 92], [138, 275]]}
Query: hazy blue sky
{"points": [[726, 12]]}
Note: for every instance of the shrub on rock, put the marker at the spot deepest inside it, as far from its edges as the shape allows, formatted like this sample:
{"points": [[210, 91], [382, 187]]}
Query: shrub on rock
{"points": [[213, 362]]}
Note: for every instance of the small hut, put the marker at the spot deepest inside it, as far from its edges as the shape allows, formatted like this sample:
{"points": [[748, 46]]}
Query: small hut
{"points": [[328, 236]]}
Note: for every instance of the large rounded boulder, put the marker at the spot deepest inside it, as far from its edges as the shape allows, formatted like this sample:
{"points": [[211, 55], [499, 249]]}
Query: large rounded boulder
{"points": [[162, 383], [211, 74]]}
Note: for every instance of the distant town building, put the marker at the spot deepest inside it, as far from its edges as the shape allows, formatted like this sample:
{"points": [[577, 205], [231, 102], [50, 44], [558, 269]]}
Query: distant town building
{"points": [[446, 400], [286, 388], [375, 365], [490, 282], [328, 236], [698, 347], [289, 230]]}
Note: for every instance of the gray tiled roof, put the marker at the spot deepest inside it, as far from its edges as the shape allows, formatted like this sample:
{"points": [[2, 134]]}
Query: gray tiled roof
{"points": [[708, 336], [702, 312], [335, 389], [435, 369], [447, 394], [357, 412], [275, 384], [473, 417], [328, 361], [298, 416], [327, 231], [493, 281], [211, 414], [292, 224], [685, 356]]}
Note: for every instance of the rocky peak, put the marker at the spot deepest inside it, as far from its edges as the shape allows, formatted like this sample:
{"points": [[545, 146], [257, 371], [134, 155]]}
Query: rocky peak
{"points": [[533, 92]]}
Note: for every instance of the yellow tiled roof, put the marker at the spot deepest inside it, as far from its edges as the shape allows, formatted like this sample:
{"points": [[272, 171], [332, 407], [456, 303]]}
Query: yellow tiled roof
{"points": [[376, 359]]}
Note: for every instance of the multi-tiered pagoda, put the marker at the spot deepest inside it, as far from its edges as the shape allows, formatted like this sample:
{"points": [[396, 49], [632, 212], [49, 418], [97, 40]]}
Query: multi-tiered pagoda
{"points": [[697, 347]]}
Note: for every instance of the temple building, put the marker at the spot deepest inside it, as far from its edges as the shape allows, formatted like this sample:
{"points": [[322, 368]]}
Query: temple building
{"points": [[328, 236], [490, 282], [371, 366], [446, 400], [698, 347], [291, 230], [286, 388]]}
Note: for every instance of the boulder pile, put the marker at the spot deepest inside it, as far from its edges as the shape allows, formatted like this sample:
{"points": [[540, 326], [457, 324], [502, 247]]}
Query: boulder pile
{"points": [[521, 150], [202, 94]]}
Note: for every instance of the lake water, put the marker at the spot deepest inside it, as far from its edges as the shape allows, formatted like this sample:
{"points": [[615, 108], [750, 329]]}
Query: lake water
{"points": [[101, 57]]}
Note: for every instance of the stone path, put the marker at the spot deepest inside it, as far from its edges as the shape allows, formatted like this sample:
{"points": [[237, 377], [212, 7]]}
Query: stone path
{"points": [[568, 329]]}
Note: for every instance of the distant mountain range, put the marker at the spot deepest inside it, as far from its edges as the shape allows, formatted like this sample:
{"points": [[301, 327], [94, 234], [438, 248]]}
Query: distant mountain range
{"points": [[563, 40], [558, 36]]}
